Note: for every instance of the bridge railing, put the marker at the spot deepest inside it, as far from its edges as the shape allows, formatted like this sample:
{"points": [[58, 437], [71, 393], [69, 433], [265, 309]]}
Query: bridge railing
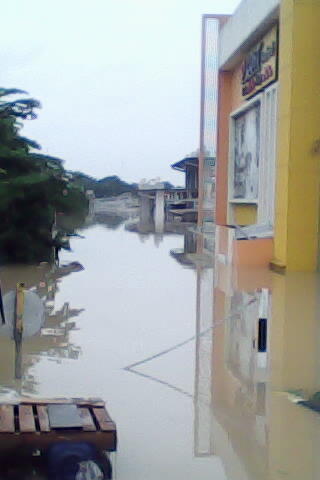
{"points": [[178, 195]]}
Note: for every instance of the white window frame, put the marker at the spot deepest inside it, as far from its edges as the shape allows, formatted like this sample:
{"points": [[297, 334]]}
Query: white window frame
{"points": [[267, 158], [267, 174], [233, 116]]}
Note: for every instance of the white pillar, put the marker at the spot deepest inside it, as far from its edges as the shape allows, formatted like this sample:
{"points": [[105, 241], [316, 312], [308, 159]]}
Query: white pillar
{"points": [[145, 209], [159, 211]]}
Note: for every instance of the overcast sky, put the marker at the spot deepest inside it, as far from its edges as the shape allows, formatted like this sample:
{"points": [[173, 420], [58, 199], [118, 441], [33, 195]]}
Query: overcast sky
{"points": [[119, 80]]}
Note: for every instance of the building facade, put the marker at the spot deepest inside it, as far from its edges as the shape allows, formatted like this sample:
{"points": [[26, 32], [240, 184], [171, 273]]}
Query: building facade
{"points": [[266, 133]]}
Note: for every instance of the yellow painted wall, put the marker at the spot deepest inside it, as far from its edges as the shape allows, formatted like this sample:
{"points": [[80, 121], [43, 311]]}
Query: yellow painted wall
{"points": [[298, 166], [245, 214], [293, 431]]}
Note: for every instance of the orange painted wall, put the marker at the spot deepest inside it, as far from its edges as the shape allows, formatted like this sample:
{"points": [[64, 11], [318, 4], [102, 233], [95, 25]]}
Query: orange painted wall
{"points": [[224, 109], [255, 252], [236, 84], [229, 99]]}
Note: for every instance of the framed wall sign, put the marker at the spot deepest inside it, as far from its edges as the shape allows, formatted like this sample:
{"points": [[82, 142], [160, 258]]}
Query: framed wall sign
{"points": [[260, 67]]}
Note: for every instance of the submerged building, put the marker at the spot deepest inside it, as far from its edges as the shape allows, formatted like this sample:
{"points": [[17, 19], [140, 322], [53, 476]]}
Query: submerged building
{"points": [[260, 117]]}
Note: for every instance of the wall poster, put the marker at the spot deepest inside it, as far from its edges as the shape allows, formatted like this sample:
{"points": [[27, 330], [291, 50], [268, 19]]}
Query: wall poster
{"points": [[260, 67], [246, 149]]}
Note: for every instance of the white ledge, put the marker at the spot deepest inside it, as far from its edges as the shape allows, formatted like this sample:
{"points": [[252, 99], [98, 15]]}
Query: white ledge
{"points": [[250, 20]]}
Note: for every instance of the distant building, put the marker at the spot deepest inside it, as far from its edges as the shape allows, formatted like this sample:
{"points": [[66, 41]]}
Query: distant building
{"points": [[184, 202], [189, 166]]}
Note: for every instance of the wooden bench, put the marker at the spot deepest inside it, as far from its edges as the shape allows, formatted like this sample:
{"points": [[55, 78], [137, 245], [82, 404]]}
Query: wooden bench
{"points": [[26, 425]]}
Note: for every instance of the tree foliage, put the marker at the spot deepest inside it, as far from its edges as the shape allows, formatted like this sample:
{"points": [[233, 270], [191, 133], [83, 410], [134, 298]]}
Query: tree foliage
{"points": [[33, 187], [105, 187]]}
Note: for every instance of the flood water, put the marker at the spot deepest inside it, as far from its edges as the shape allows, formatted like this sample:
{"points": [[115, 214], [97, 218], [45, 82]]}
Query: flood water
{"points": [[194, 362]]}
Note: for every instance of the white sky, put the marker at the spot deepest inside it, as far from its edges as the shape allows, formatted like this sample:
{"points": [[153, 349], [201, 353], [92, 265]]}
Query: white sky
{"points": [[119, 80]]}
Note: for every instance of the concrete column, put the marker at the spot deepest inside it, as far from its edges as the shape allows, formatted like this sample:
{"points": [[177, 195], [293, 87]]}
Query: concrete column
{"points": [[298, 160], [145, 209], [159, 211]]}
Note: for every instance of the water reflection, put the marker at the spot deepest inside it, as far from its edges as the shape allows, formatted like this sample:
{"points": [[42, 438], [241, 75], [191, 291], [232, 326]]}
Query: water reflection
{"points": [[185, 255], [109, 220], [195, 363], [48, 338], [265, 344], [240, 359]]}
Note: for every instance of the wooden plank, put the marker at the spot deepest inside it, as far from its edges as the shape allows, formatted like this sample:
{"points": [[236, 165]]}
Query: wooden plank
{"points": [[44, 401], [103, 440], [87, 420], [106, 415], [6, 418], [95, 402], [104, 421], [43, 418], [90, 402], [26, 419]]}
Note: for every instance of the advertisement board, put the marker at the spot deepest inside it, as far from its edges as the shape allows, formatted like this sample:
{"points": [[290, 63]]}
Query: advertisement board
{"points": [[260, 67]]}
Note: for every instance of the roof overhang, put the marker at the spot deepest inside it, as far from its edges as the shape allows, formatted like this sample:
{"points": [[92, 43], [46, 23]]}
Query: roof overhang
{"points": [[251, 20], [182, 164]]}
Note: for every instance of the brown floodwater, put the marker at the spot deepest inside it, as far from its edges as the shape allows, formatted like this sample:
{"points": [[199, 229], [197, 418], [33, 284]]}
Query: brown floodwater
{"points": [[195, 362]]}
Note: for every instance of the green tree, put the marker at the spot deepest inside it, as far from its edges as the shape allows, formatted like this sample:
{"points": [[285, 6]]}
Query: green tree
{"points": [[33, 187]]}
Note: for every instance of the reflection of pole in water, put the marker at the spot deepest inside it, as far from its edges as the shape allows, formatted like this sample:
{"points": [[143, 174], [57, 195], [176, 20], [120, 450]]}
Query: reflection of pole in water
{"points": [[18, 360], [18, 329], [203, 433], [158, 238], [3, 320]]}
